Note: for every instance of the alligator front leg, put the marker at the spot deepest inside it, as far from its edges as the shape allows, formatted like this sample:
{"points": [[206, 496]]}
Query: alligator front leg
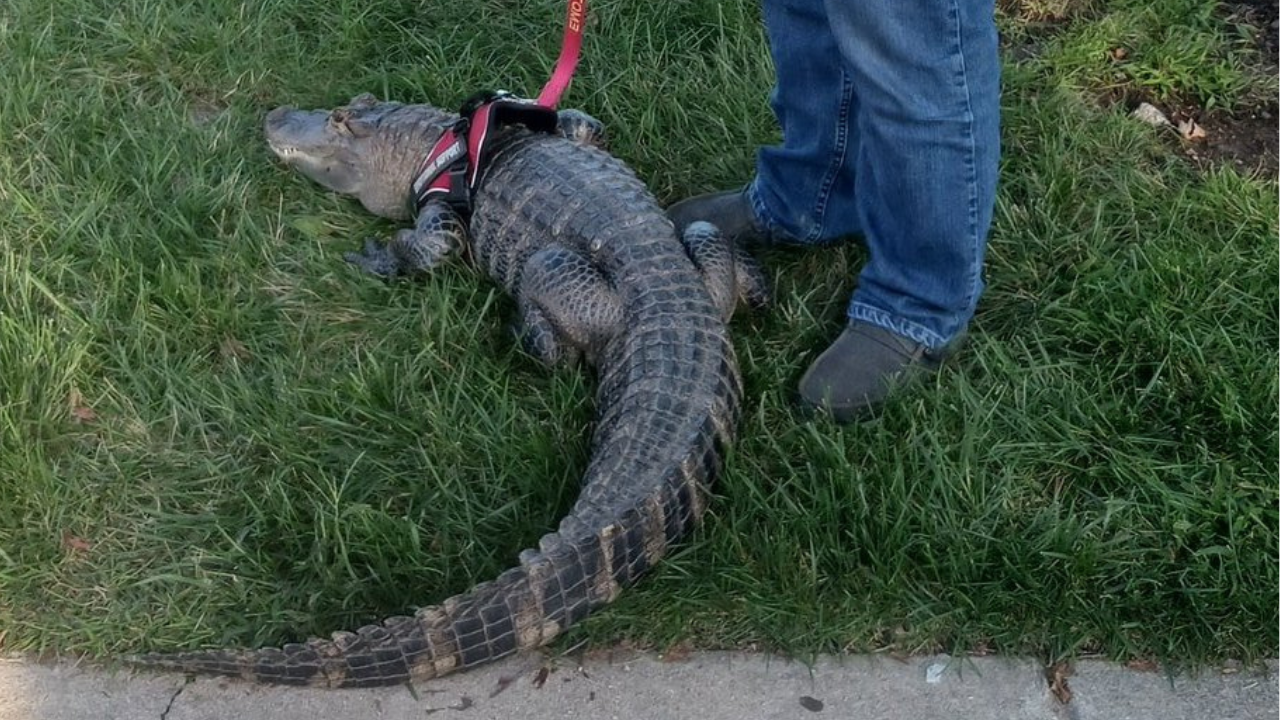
{"points": [[568, 311], [731, 275], [580, 128], [437, 231]]}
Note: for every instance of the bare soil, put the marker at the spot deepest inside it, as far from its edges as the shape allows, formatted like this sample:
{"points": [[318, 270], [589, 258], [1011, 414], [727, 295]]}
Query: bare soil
{"points": [[1246, 137]]}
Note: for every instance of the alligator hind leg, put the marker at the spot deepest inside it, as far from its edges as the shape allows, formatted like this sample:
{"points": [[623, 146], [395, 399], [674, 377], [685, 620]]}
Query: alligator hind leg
{"points": [[437, 231], [580, 128], [568, 310], [731, 275]]}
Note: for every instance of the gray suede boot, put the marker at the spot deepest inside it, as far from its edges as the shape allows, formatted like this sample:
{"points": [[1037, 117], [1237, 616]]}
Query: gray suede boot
{"points": [[729, 211], [863, 367]]}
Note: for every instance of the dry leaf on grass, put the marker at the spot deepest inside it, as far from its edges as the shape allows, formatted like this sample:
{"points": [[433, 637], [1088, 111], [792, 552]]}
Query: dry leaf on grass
{"points": [[81, 412], [74, 544]]}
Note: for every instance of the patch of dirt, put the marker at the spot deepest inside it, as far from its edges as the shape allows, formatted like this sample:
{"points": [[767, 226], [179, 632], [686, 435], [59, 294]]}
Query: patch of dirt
{"points": [[1258, 20], [1245, 138]]}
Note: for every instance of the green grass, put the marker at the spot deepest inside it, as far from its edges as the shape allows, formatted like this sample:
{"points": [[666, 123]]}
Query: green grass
{"points": [[212, 431]]}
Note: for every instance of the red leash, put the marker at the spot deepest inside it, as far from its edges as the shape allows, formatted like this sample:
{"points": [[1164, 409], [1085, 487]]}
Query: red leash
{"points": [[570, 48], [451, 169]]}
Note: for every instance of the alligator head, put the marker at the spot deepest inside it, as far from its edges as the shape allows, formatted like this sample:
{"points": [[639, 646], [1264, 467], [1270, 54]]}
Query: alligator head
{"points": [[367, 149]]}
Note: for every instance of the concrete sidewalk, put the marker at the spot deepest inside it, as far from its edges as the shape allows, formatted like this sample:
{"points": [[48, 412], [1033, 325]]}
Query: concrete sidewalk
{"points": [[714, 686]]}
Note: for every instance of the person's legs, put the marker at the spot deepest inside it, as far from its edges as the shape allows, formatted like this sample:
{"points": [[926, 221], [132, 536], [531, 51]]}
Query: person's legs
{"points": [[890, 120], [927, 78], [803, 187]]}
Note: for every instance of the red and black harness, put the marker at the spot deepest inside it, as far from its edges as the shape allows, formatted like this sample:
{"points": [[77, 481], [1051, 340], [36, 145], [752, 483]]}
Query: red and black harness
{"points": [[451, 170]]}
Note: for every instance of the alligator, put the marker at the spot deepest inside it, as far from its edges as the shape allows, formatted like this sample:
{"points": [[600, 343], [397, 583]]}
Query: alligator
{"points": [[600, 278]]}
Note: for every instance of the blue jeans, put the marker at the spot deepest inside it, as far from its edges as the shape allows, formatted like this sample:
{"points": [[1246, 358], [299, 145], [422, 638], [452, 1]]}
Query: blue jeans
{"points": [[890, 115]]}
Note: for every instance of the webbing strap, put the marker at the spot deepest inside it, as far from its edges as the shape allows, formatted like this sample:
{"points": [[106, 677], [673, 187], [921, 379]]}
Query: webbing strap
{"points": [[439, 170], [451, 169], [570, 49]]}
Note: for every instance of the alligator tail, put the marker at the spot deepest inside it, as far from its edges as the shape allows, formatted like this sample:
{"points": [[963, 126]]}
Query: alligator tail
{"points": [[574, 570]]}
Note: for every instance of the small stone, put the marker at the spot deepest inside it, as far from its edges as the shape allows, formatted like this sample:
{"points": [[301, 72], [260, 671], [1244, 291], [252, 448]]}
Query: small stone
{"points": [[1150, 114]]}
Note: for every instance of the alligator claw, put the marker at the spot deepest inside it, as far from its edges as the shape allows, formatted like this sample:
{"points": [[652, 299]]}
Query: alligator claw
{"points": [[375, 259]]}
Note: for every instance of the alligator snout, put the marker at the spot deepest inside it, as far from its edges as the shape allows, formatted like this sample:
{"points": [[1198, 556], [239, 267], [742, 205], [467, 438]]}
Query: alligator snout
{"points": [[277, 119], [291, 131]]}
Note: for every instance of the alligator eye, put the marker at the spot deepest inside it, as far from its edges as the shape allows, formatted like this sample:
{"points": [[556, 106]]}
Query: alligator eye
{"points": [[339, 121]]}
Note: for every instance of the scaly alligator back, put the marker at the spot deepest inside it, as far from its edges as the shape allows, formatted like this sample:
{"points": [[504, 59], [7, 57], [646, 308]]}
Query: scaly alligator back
{"points": [[667, 403]]}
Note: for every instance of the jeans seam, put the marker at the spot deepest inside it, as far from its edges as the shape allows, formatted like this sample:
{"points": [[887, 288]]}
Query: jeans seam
{"points": [[974, 270], [838, 157]]}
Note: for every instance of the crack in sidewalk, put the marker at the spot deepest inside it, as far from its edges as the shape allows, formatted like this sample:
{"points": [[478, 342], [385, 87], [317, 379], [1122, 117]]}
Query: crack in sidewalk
{"points": [[164, 714]]}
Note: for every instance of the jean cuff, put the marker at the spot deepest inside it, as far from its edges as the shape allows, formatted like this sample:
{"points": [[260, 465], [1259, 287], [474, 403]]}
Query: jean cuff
{"points": [[765, 220], [910, 330]]}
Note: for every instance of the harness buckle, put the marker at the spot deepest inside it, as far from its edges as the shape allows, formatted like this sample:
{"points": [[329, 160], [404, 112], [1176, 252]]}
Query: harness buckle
{"points": [[478, 100]]}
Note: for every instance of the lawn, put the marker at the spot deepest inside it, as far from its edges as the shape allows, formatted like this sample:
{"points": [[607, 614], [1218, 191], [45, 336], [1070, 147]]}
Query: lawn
{"points": [[212, 431]]}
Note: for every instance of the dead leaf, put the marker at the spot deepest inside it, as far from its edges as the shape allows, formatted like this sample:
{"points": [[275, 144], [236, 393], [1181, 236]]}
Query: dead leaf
{"points": [[1057, 676], [811, 704], [74, 544], [81, 412], [1119, 53], [540, 678], [677, 653], [1191, 130], [504, 682]]}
